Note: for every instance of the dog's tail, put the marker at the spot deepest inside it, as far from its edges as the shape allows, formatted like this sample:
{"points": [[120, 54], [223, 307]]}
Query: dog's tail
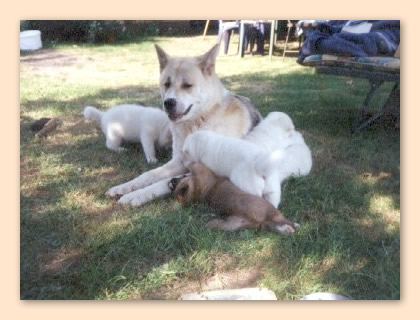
{"points": [[266, 163], [92, 113]]}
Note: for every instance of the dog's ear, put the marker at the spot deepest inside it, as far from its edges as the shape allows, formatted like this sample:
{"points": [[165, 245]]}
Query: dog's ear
{"points": [[194, 168], [208, 60], [162, 56], [287, 123]]}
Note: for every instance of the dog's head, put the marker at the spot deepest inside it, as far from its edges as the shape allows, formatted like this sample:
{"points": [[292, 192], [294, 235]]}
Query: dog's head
{"points": [[193, 187], [183, 189], [281, 120], [187, 85]]}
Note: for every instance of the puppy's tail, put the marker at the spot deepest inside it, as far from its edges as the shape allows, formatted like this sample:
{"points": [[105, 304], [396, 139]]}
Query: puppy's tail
{"points": [[266, 163], [92, 113]]}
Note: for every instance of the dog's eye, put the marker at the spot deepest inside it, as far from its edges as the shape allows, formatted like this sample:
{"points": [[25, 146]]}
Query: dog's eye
{"points": [[167, 84], [186, 85]]}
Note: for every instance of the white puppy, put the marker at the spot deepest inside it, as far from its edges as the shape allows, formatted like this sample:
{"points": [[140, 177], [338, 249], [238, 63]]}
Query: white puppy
{"points": [[250, 167], [258, 163], [133, 123], [277, 131]]}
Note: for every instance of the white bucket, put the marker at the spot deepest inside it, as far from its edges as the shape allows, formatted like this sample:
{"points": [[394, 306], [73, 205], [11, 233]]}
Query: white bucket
{"points": [[30, 40]]}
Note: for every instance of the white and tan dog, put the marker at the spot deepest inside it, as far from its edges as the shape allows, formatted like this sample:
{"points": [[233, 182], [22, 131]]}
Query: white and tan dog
{"points": [[133, 123], [194, 98]]}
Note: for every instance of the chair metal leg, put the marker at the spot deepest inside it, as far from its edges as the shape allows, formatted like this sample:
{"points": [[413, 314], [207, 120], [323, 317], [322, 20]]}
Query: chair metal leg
{"points": [[276, 24], [391, 102], [241, 39], [287, 39]]}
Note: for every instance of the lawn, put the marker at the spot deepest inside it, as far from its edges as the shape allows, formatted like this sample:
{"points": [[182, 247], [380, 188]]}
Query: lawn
{"points": [[75, 243]]}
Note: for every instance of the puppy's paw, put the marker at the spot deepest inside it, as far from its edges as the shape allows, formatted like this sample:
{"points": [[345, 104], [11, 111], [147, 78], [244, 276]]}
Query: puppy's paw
{"points": [[215, 223], [285, 229], [151, 160]]}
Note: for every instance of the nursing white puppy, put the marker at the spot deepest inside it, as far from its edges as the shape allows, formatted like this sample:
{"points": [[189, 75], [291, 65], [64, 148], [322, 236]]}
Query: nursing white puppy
{"points": [[258, 163], [133, 123], [277, 131], [249, 167]]}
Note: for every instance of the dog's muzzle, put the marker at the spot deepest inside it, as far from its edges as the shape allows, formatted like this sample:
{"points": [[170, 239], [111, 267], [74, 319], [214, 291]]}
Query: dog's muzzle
{"points": [[173, 183], [170, 109], [170, 105]]}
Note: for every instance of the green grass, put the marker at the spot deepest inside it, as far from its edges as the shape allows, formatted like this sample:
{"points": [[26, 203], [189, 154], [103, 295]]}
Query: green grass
{"points": [[78, 244]]}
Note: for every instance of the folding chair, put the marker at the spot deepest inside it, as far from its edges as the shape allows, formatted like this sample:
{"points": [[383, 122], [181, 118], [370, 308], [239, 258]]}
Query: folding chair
{"points": [[377, 70]]}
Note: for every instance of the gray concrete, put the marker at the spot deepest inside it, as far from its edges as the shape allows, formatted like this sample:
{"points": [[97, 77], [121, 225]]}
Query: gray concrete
{"points": [[232, 294]]}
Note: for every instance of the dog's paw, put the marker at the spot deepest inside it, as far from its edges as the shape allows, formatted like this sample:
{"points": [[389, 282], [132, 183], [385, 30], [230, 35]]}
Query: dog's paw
{"points": [[126, 199], [215, 223], [119, 190], [285, 228], [134, 199], [151, 160]]}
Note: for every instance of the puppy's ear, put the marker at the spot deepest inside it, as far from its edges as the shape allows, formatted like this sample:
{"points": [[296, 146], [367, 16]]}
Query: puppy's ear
{"points": [[285, 122], [289, 125], [194, 168], [162, 56], [207, 61]]}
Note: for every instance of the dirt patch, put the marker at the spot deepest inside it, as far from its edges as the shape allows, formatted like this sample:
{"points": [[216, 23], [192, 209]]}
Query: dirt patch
{"points": [[232, 280], [60, 261], [71, 129], [49, 58]]}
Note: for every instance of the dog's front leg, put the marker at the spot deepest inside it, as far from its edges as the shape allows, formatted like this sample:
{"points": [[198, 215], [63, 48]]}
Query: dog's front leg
{"points": [[142, 196], [169, 170]]}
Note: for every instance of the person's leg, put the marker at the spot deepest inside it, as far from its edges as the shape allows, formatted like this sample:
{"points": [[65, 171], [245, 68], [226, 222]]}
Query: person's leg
{"points": [[246, 38], [260, 38], [252, 38]]}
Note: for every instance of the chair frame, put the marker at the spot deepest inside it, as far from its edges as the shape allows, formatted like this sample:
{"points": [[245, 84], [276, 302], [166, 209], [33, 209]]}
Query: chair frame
{"points": [[376, 79]]}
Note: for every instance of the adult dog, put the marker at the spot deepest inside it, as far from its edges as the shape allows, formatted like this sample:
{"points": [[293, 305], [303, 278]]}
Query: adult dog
{"points": [[194, 98]]}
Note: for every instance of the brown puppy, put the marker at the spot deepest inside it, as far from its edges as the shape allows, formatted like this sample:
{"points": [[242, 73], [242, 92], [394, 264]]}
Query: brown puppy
{"points": [[243, 210]]}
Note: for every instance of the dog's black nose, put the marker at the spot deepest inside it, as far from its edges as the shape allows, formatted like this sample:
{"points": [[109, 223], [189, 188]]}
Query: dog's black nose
{"points": [[169, 104], [173, 183]]}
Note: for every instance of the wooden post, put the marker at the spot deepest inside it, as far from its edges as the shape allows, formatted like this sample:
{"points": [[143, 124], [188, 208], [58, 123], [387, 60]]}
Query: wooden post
{"points": [[205, 28]]}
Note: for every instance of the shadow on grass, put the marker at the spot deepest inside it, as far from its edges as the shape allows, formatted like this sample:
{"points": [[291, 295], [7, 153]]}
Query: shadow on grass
{"points": [[346, 245], [347, 206]]}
